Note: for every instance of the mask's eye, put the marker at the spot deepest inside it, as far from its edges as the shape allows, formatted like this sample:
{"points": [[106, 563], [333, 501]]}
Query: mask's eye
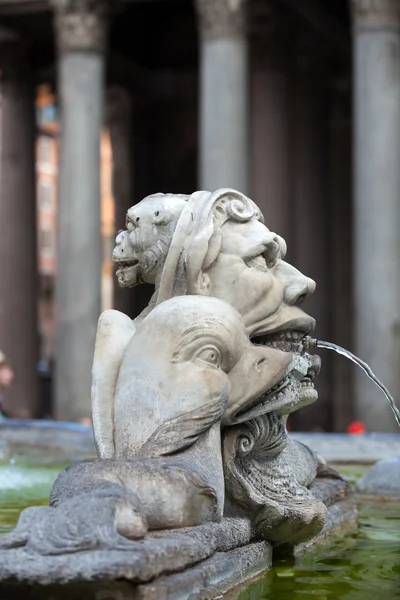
{"points": [[272, 252], [258, 262], [208, 357]]}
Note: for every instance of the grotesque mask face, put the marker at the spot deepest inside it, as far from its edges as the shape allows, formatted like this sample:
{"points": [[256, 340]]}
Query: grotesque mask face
{"points": [[251, 275], [222, 249], [129, 272], [141, 249]]}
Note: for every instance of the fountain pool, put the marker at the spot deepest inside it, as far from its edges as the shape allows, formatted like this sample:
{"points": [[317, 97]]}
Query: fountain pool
{"points": [[355, 567], [361, 566]]}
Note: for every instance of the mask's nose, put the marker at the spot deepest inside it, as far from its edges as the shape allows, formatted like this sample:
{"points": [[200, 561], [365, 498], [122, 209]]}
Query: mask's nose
{"points": [[121, 242], [297, 286], [120, 237]]}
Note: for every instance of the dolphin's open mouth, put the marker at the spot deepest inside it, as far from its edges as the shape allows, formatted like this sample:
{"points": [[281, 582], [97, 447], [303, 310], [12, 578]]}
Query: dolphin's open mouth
{"points": [[293, 390]]}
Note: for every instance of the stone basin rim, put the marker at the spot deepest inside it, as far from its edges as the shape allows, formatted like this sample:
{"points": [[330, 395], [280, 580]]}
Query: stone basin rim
{"points": [[365, 448]]}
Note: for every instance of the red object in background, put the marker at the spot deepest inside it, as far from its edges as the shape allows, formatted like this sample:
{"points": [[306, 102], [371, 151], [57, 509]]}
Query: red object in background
{"points": [[356, 428]]}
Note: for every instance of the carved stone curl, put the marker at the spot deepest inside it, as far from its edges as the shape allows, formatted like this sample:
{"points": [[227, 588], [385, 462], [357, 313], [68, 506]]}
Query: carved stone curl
{"points": [[267, 473]]}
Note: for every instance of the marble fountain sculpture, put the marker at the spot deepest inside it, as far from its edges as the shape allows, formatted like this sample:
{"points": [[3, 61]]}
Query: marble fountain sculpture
{"points": [[195, 468]]}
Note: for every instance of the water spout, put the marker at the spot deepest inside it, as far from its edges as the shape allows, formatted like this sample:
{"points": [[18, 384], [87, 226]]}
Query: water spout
{"points": [[314, 343]]}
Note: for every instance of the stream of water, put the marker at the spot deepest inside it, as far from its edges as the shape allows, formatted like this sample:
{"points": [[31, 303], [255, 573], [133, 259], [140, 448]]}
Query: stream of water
{"points": [[314, 343]]}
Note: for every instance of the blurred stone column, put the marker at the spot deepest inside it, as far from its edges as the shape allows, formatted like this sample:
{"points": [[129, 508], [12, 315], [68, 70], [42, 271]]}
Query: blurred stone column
{"points": [[224, 95], [271, 172], [18, 265], [81, 37], [376, 35], [119, 121], [311, 213]]}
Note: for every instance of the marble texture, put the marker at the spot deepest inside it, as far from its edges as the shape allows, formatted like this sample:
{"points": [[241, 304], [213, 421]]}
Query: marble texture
{"points": [[189, 403]]}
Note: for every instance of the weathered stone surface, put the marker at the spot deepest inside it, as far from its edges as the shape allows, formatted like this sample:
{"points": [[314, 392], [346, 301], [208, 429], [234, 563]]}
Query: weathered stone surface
{"points": [[382, 480], [115, 577], [330, 490], [211, 577], [341, 519], [159, 554], [212, 244], [189, 402]]}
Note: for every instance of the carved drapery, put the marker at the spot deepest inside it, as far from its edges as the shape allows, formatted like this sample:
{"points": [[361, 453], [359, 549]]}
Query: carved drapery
{"points": [[81, 24], [225, 18], [376, 13]]}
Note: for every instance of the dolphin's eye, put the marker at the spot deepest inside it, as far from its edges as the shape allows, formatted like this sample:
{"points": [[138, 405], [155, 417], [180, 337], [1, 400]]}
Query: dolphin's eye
{"points": [[207, 357]]}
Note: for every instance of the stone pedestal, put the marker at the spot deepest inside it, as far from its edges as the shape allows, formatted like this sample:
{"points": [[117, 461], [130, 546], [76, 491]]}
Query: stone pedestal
{"points": [[224, 103], [376, 33], [18, 265], [190, 564], [81, 32]]}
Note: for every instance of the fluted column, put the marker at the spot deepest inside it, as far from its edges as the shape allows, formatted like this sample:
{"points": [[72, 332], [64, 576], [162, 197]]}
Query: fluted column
{"points": [[224, 121], [18, 265], [81, 37], [376, 35]]}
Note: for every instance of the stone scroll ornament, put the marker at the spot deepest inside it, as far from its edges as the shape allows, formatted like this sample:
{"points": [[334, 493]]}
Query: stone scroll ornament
{"points": [[189, 402]]}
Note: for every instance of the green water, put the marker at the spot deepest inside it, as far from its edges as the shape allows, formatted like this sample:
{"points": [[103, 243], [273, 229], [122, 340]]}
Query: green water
{"points": [[21, 487], [361, 566], [26, 476], [352, 472], [358, 567]]}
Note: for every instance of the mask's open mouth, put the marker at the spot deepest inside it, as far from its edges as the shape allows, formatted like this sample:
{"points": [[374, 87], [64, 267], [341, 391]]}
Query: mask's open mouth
{"points": [[122, 264], [294, 390], [286, 341], [128, 272]]}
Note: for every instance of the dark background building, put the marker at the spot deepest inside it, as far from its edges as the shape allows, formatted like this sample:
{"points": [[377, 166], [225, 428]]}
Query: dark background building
{"points": [[296, 103]]}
